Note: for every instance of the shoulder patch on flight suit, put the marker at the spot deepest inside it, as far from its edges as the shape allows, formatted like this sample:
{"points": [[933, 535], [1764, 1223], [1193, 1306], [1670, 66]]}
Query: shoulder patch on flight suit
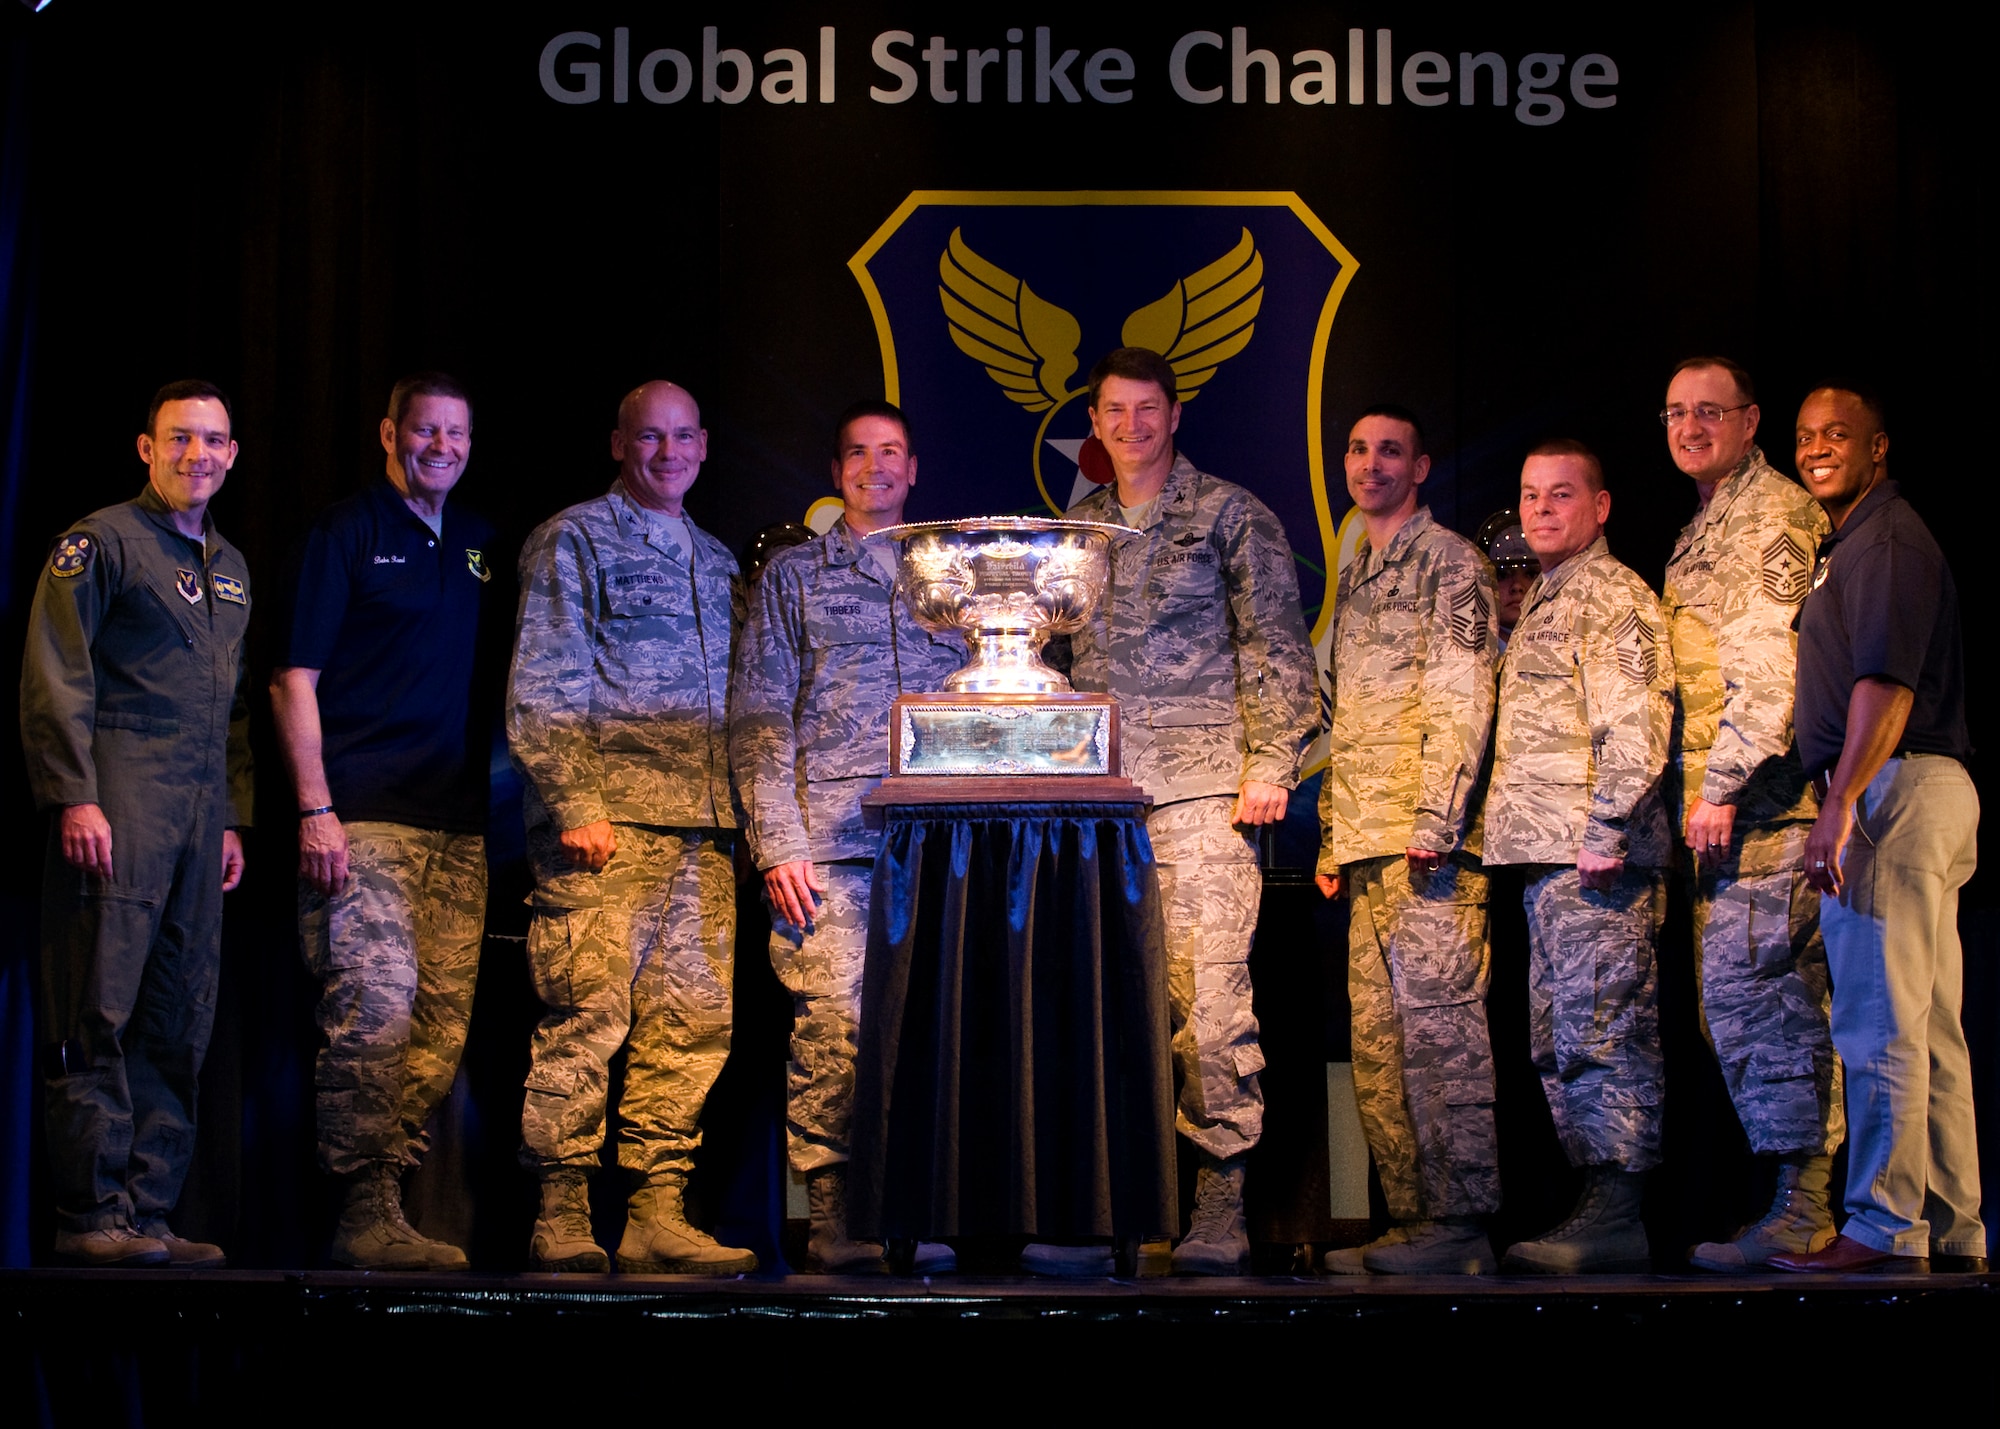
{"points": [[73, 556], [1468, 617], [475, 561], [188, 583], [229, 588], [1638, 652], [1787, 569]]}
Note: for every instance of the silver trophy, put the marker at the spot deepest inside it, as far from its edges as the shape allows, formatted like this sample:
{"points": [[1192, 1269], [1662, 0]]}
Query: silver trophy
{"points": [[1007, 583]]}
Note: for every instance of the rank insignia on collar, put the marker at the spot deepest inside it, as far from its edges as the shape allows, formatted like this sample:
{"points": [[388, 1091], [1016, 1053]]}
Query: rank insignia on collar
{"points": [[229, 588], [475, 561], [72, 557], [188, 584]]}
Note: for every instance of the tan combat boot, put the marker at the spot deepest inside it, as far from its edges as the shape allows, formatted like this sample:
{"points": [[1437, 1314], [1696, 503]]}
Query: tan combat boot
{"points": [[1216, 1243], [182, 1253], [1799, 1222], [1347, 1260], [114, 1246], [1449, 1245], [372, 1234], [1603, 1235], [562, 1238], [659, 1241], [828, 1250]]}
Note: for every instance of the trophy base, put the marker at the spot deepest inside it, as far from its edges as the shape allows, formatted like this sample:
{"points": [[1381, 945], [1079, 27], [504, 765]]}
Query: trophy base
{"points": [[1051, 736], [919, 789]]}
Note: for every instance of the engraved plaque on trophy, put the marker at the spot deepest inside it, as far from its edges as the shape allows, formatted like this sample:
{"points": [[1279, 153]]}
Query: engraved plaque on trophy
{"points": [[1005, 726]]}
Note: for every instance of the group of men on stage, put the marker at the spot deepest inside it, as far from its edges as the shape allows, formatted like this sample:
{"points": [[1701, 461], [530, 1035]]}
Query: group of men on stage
{"points": [[655, 704]]}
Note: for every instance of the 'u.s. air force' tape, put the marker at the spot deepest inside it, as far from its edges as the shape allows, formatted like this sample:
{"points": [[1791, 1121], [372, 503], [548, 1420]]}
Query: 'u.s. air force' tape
{"points": [[228, 588], [73, 556]]}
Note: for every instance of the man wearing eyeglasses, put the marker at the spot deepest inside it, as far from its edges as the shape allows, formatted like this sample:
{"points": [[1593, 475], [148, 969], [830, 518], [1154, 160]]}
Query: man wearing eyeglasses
{"points": [[1738, 574]]}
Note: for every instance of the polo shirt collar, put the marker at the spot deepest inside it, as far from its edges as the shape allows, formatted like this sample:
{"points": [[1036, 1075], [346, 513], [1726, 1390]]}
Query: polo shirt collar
{"points": [[1869, 505], [389, 499]]}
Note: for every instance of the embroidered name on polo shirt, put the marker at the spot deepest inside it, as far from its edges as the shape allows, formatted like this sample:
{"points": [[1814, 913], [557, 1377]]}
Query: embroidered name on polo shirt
{"points": [[229, 588], [391, 560]]}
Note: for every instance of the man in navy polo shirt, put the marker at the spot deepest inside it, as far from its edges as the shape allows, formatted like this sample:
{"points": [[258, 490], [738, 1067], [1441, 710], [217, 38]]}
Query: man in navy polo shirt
{"points": [[374, 697], [1880, 713]]}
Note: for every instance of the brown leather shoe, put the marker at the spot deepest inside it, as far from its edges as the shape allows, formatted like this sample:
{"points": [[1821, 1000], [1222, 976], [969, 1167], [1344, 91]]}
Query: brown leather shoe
{"points": [[1851, 1257], [1943, 1264]]}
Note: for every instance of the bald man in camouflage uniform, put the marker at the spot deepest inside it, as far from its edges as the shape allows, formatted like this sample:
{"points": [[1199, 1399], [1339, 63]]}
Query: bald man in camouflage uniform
{"points": [[1738, 575], [616, 715], [1413, 654], [1579, 749], [826, 649], [1201, 639]]}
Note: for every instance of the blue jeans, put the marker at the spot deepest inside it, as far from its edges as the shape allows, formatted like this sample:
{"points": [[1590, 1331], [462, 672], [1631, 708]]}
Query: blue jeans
{"points": [[1898, 973]]}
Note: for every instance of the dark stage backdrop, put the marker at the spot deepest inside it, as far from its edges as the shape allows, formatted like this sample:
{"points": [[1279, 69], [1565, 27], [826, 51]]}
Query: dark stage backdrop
{"points": [[1513, 220]]}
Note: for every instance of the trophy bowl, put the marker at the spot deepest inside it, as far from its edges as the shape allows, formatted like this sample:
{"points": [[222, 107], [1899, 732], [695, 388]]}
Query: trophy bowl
{"points": [[1007, 583]]}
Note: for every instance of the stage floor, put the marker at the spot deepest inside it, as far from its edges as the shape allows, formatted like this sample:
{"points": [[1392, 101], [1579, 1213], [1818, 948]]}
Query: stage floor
{"points": [[241, 1343]]}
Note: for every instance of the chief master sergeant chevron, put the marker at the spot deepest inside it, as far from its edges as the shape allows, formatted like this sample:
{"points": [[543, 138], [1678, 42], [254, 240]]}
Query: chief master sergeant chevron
{"points": [[616, 714], [1413, 655], [1201, 639], [137, 738]]}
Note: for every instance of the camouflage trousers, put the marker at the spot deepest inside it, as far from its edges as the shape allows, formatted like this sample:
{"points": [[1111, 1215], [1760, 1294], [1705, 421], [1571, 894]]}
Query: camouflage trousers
{"points": [[1418, 961], [1209, 891], [396, 954], [635, 957], [1764, 1003], [1593, 1011], [822, 972]]}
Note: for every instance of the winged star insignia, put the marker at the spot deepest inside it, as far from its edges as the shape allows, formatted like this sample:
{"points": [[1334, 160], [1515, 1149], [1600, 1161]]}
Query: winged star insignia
{"points": [[1028, 344], [72, 557]]}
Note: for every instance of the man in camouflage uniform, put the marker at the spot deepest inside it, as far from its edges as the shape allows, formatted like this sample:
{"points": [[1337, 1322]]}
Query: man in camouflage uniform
{"points": [[374, 703], [1581, 741], [1201, 639], [1734, 585], [137, 738], [826, 648], [616, 715], [1413, 656]]}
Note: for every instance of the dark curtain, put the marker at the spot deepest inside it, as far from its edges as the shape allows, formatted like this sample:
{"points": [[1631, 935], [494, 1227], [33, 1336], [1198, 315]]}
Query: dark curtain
{"points": [[1013, 1075]]}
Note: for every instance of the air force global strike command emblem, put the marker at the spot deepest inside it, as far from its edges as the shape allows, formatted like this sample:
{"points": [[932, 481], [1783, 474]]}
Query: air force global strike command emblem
{"points": [[993, 307], [188, 583], [475, 561], [72, 557]]}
